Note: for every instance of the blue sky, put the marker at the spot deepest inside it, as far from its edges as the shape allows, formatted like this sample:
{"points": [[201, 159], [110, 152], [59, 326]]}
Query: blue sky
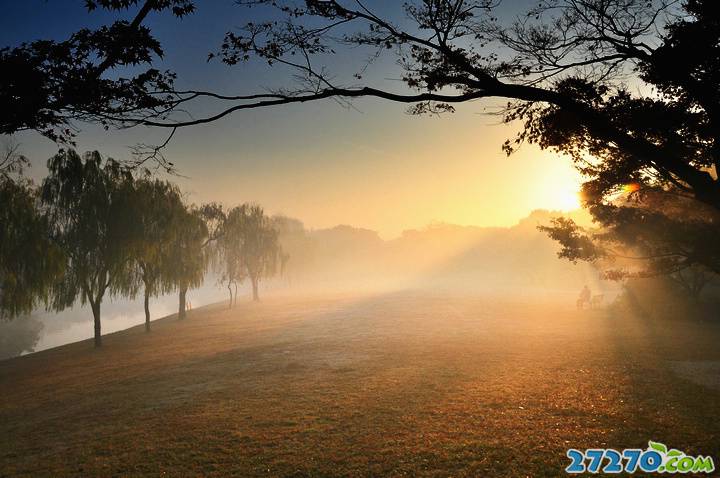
{"points": [[372, 166]]}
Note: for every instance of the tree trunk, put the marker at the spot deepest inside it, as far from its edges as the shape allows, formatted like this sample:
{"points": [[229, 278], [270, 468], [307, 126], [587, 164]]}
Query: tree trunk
{"points": [[230, 305], [95, 305], [147, 310], [256, 296], [181, 309]]}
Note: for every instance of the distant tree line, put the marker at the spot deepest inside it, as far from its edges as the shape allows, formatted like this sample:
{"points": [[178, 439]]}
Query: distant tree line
{"points": [[95, 228]]}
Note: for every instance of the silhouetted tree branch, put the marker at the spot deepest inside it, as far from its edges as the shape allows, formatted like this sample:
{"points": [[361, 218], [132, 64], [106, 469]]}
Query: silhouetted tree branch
{"points": [[565, 66]]}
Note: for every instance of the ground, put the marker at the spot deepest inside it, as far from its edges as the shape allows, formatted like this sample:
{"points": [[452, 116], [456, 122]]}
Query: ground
{"points": [[402, 384]]}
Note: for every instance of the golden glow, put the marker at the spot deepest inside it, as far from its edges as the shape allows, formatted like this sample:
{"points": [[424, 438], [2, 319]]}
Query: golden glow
{"points": [[381, 170], [567, 199]]}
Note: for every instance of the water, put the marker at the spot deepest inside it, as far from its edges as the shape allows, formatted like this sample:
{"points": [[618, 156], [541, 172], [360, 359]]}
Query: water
{"points": [[76, 324]]}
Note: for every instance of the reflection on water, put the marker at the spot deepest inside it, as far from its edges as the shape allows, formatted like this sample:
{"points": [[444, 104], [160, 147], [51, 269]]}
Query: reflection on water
{"points": [[19, 336], [76, 324]]}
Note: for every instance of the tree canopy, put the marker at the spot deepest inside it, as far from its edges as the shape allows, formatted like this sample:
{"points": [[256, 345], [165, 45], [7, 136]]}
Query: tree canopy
{"points": [[50, 84], [89, 205], [584, 76], [29, 261], [249, 247], [645, 233], [156, 203], [188, 259]]}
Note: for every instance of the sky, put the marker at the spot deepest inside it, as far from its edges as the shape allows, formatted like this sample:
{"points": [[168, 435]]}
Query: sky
{"points": [[370, 166]]}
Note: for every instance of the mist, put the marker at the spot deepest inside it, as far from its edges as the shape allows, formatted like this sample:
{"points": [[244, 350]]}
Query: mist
{"points": [[517, 262], [511, 261]]}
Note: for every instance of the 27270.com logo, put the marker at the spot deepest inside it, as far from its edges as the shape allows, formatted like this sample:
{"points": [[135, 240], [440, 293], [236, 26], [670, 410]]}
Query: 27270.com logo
{"points": [[656, 459]]}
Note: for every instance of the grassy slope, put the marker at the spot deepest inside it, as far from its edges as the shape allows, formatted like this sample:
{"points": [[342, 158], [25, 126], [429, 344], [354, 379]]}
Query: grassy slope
{"points": [[387, 385]]}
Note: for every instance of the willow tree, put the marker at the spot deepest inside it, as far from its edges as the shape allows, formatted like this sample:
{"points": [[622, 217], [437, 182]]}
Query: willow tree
{"points": [[254, 248], [155, 204], [88, 200], [29, 261], [187, 259], [229, 259]]}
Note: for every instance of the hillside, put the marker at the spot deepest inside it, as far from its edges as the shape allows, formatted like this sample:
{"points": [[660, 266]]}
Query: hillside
{"points": [[396, 384]]}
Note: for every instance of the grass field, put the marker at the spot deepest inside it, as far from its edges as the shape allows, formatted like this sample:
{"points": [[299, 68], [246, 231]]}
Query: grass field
{"points": [[404, 384]]}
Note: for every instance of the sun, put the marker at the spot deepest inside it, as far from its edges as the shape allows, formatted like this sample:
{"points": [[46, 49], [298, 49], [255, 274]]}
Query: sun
{"points": [[566, 199], [557, 185]]}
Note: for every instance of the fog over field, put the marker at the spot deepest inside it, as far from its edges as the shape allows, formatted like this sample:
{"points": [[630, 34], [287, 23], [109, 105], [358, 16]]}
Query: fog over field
{"points": [[517, 262], [365, 384]]}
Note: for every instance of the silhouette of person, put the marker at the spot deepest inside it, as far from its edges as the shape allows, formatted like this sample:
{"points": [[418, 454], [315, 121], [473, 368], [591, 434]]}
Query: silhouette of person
{"points": [[585, 295]]}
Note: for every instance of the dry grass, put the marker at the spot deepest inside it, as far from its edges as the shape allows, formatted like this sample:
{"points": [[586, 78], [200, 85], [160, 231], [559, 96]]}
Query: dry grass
{"points": [[397, 385]]}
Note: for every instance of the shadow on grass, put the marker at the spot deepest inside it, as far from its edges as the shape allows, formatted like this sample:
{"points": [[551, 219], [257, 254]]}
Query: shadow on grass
{"points": [[658, 404]]}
